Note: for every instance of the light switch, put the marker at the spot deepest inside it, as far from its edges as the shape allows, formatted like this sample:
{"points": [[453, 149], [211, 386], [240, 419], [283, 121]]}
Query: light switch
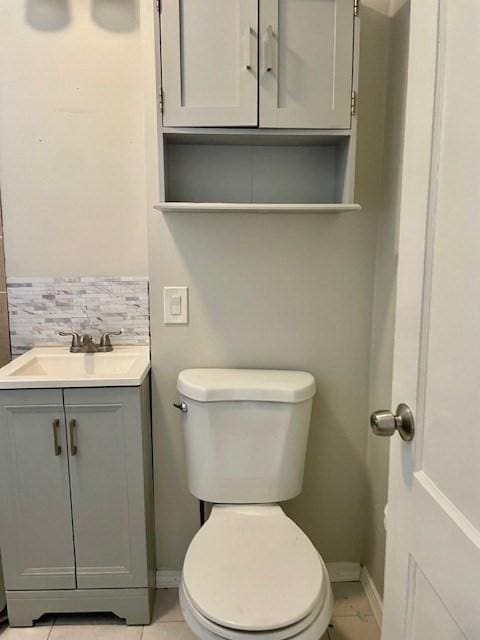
{"points": [[175, 305]]}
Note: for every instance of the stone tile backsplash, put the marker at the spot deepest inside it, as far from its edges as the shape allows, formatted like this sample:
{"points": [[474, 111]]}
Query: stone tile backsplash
{"points": [[41, 307]]}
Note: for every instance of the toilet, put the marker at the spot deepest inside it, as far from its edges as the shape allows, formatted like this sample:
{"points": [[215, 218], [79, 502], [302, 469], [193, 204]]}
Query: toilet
{"points": [[250, 571]]}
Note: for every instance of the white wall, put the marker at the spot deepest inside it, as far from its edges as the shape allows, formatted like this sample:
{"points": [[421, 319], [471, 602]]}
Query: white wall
{"points": [[384, 292], [72, 162]]}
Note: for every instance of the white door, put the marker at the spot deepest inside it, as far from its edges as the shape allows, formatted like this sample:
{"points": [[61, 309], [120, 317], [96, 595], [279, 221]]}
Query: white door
{"points": [[209, 62], [433, 534], [306, 60]]}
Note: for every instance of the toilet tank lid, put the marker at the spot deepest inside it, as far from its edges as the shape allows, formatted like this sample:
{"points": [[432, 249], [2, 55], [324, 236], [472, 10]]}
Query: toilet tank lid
{"points": [[260, 385]]}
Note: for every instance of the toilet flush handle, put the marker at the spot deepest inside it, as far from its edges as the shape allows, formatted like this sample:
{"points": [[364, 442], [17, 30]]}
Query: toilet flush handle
{"points": [[182, 406]]}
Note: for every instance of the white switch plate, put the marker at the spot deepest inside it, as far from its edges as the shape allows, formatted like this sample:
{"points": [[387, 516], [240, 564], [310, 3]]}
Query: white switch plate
{"points": [[175, 305]]}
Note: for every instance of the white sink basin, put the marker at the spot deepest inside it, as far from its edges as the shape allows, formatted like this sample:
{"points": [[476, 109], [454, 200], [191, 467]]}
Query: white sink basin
{"points": [[56, 367]]}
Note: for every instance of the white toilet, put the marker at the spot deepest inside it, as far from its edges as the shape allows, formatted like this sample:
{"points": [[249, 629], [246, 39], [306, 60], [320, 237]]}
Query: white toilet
{"points": [[250, 571]]}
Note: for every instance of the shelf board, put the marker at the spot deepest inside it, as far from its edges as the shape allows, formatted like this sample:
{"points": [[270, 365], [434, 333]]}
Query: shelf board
{"points": [[206, 135], [252, 207]]}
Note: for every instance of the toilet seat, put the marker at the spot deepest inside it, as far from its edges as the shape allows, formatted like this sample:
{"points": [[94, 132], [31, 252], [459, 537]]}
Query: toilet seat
{"points": [[252, 569], [316, 622]]}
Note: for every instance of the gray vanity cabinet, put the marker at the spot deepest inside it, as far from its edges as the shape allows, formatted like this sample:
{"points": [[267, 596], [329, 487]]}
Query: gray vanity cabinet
{"points": [[106, 459], [76, 502], [35, 518]]}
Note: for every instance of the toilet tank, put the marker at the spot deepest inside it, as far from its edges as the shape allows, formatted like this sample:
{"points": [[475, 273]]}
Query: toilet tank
{"points": [[245, 433]]}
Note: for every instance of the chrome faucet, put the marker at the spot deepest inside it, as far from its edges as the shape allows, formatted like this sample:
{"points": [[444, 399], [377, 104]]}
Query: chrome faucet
{"points": [[88, 345], [85, 344]]}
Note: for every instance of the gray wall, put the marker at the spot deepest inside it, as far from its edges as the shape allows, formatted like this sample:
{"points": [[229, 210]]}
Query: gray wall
{"points": [[384, 293], [279, 291]]}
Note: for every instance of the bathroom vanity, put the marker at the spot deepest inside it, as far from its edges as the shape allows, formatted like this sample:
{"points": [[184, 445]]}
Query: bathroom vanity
{"points": [[76, 494]]}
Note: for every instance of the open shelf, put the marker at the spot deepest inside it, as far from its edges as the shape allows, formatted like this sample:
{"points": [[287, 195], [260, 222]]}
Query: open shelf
{"points": [[253, 136], [252, 207], [258, 177]]}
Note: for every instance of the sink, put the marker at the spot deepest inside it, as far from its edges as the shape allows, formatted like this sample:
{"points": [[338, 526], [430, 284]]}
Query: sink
{"points": [[50, 367]]}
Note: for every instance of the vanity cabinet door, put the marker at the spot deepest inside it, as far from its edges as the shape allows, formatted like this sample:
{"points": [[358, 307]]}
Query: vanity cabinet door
{"points": [[209, 62], [35, 513], [306, 61], [106, 434]]}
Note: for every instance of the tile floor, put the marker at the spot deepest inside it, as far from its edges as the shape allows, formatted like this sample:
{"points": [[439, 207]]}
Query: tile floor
{"points": [[352, 620]]}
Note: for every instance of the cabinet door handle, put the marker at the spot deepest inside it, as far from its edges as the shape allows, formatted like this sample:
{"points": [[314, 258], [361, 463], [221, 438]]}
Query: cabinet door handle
{"points": [[73, 435], [247, 49], [56, 447], [268, 48]]}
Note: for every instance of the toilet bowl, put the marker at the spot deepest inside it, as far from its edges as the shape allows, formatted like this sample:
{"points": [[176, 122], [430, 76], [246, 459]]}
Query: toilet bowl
{"points": [[251, 571]]}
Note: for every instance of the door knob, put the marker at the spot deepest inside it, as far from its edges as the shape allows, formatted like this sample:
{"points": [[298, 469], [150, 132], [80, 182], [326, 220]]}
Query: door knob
{"points": [[385, 423]]}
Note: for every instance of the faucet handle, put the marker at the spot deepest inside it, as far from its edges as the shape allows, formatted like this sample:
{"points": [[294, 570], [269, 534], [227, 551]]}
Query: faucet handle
{"points": [[105, 342], [76, 345]]}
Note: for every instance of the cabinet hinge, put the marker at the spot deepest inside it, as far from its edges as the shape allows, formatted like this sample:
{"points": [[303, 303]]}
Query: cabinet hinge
{"points": [[356, 8], [353, 104], [159, 5], [160, 100]]}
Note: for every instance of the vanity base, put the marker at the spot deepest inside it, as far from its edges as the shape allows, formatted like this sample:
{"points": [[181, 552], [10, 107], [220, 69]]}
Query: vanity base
{"points": [[135, 605]]}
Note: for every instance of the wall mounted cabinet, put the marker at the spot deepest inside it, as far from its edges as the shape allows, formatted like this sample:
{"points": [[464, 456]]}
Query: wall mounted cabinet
{"points": [[76, 501], [258, 105], [267, 63]]}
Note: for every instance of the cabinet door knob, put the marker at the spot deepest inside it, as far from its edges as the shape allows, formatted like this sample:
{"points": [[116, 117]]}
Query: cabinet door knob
{"points": [[56, 446], [73, 435]]}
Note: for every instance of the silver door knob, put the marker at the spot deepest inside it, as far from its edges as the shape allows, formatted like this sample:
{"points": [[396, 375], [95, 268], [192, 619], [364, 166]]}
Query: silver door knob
{"points": [[385, 423]]}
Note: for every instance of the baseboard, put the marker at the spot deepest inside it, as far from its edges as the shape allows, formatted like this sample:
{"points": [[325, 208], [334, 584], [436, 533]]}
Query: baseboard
{"points": [[344, 571], [372, 595], [168, 579], [338, 572]]}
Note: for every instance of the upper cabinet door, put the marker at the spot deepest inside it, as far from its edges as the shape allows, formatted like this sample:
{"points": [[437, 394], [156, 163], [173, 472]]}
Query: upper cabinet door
{"points": [[35, 515], [107, 484], [209, 62], [306, 60]]}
